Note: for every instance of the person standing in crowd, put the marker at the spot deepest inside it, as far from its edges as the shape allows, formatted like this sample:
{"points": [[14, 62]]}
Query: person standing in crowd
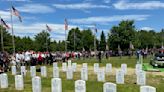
{"points": [[99, 56], [18, 60], [40, 59], [27, 58]]}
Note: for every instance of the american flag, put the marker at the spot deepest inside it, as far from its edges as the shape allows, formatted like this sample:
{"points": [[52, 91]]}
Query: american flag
{"points": [[48, 28], [119, 49], [16, 13], [131, 45], [95, 28], [3, 23], [66, 24]]}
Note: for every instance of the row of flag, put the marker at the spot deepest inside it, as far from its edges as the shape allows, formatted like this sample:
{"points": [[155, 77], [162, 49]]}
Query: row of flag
{"points": [[65, 26], [14, 12]]}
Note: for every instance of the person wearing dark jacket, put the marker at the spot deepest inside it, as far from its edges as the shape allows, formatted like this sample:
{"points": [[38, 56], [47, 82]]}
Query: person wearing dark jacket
{"points": [[99, 56]]}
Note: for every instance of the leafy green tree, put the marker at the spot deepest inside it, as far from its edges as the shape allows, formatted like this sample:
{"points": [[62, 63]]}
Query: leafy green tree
{"points": [[87, 39], [53, 46], [122, 35], [74, 39], [7, 40], [102, 45], [40, 41]]}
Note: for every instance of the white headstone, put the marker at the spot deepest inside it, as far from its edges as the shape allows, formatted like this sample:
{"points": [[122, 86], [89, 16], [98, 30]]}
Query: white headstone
{"points": [[85, 65], [108, 68], [84, 73], [19, 84], [69, 73], [80, 86], [119, 77], [33, 71], [101, 75], [64, 67], [109, 87], [56, 72], [36, 84], [23, 70], [69, 63], [56, 85], [74, 66], [55, 64], [13, 70], [138, 68], [4, 80], [141, 78], [124, 68], [96, 67], [147, 89], [43, 71]]}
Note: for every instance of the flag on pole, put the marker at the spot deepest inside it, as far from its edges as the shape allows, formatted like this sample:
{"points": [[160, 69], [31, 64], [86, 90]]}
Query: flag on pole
{"points": [[119, 49], [95, 28], [16, 13], [48, 28], [131, 45], [3, 23], [107, 47], [66, 24]]}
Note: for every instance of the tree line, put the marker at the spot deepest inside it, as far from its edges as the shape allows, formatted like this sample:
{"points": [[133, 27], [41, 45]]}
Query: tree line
{"points": [[77, 40]]}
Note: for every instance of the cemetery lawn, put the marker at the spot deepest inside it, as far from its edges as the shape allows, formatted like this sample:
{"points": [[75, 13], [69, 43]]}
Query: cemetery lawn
{"points": [[155, 79]]}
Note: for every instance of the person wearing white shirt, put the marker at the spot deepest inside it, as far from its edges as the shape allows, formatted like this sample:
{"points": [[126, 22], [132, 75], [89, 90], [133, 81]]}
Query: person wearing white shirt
{"points": [[27, 58]]}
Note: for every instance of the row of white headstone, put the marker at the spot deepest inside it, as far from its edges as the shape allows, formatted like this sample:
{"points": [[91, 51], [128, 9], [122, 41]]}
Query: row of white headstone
{"points": [[56, 85], [141, 75]]}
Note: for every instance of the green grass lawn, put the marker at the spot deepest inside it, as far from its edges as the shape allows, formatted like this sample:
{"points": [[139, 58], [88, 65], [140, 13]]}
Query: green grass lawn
{"points": [[92, 85]]}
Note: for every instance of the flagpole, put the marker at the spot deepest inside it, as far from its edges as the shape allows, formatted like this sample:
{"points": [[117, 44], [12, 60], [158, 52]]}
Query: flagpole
{"points": [[74, 40], [66, 28], [95, 40], [13, 41], [2, 45], [46, 40]]}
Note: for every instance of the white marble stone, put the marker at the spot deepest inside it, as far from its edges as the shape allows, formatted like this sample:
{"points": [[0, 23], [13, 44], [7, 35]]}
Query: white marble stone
{"points": [[33, 71], [124, 68], [69, 73], [23, 70], [43, 71], [84, 73], [74, 66], [96, 67], [19, 84], [69, 63], [141, 78], [64, 67], [147, 89], [138, 68], [56, 85], [4, 80], [108, 68], [55, 64], [85, 65], [56, 72], [36, 84], [80, 86], [13, 70], [119, 77], [109, 87], [101, 75]]}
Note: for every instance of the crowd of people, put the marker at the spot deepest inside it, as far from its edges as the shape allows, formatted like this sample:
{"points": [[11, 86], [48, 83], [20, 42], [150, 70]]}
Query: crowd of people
{"points": [[32, 58]]}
